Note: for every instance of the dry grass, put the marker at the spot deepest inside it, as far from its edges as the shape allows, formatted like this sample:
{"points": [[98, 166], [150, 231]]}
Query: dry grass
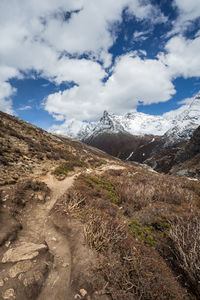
{"points": [[102, 233], [129, 266], [138, 189], [185, 235]]}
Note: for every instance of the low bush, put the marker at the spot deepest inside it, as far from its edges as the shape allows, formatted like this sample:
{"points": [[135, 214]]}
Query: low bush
{"points": [[69, 166], [142, 233], [100, 186], [128, 266], [138, 189], [185, 236]]}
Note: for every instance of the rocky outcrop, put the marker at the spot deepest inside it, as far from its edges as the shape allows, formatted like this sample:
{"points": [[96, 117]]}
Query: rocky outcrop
{"points": [[184, 159], [187, 161], [191, 149]]}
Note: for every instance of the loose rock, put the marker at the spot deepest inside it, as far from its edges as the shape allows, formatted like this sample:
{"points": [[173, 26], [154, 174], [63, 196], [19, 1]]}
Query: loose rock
{"points": [[83, 292], [9, 294], [20, 267], [24, 252]]}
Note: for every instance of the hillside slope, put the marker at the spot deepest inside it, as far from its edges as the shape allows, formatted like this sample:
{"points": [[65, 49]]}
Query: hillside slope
{"points": [[76, 223]]}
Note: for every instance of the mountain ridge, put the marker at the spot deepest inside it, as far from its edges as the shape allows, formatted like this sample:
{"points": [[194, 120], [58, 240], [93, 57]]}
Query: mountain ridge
{"points": [[136, 123]]}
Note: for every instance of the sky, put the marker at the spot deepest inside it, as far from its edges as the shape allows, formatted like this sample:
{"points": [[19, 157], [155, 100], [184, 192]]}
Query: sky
{"points": [[69, 60]]}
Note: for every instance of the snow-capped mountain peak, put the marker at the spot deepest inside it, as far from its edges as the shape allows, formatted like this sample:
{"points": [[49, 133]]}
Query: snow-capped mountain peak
{"points": [[185, 123], [174, 127]]}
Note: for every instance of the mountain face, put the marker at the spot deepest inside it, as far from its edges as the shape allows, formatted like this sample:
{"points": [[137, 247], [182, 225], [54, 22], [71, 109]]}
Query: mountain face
{"points": [[124, 145], [184, 159], [188, 158], [185, 124], [135, 123], [137, 136]]}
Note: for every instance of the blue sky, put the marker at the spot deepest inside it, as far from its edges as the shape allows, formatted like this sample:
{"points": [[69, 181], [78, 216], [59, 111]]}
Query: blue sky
{"points": [[72, 59]]}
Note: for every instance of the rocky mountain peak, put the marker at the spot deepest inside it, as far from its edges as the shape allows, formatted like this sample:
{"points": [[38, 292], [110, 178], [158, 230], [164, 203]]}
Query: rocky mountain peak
{"points": [[106, 119], [198, 96], [174, 129]]}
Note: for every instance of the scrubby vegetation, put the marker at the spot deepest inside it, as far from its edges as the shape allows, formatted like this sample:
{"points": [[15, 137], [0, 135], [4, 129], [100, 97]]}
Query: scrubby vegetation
{"points": [[185, 236], [26, 149], [101, 185], [142, 233], [69, 166], [139, 256]]}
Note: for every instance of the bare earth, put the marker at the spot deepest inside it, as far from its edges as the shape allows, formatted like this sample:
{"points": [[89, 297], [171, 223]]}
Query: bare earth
{"points": [[37, 228]]}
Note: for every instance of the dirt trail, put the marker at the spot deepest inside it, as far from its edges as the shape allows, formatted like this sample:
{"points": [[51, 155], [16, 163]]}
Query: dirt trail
{"points": [[37, 228]]}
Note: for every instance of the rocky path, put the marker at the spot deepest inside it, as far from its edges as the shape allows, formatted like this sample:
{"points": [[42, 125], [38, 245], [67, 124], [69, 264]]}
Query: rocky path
{"points": [[38, 228]]}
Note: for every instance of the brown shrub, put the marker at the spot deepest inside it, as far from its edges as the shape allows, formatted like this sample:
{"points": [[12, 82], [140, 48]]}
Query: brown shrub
{"points": [[24, 192], [185, 235], [127, 268], [102, 232], [142, 189]]}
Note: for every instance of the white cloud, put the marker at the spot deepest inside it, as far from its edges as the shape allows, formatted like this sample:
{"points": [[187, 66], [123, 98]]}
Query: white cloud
{"points": [[138, 34], [6, 91], [88, 30], [189, 11], [182, 57], [26, 107], [31, 32], [81, 71], [133, 79], [33, 35], [6, 106], [146, 12]]}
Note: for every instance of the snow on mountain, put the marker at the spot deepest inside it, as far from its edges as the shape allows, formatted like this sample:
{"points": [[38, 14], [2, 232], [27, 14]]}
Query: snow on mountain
{"points": [[185, 123], [174, 129], [74, 129], [134, 123]]}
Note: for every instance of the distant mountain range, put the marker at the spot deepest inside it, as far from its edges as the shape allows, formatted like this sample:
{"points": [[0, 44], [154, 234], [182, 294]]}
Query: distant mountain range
{"points": [[174, 129]]}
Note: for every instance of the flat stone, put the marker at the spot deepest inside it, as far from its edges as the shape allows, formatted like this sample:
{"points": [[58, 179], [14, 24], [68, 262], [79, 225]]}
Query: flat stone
{"points": [[25, 251], [20, 267], [9, 294]]}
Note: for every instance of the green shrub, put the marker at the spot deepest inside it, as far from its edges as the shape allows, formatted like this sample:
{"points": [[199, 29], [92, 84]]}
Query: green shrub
{"points": [[102, 184], [66, 167], [141, 232]]}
